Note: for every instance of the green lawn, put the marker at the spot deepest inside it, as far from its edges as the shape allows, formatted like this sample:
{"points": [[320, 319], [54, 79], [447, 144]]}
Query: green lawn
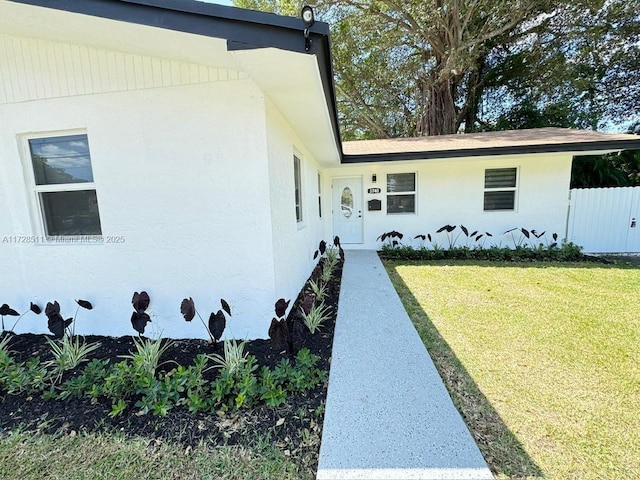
{"points": [[543, 360], [26, 456]]}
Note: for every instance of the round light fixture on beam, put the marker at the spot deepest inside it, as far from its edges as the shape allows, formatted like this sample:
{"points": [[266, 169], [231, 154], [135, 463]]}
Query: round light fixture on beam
{"points": [[308, 16], [309, 19]]}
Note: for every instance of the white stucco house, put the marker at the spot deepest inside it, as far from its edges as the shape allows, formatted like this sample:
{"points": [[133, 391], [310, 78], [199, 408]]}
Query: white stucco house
{"points": [[193, 150]]}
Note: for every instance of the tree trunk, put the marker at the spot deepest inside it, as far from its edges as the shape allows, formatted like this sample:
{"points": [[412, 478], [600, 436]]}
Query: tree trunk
{"points": [[474, 93], [438, 110]]}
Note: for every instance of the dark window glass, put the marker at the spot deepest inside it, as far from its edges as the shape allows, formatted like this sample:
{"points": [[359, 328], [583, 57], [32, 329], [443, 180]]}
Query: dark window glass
{"points": [[401, 203], [502, 200], [401, 182], [298, 192], [71, 213], [319, 196], [500, 178]]}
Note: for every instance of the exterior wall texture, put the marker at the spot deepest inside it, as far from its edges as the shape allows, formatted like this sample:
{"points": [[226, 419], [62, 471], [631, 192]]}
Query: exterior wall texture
{"points": [[179, 172], [452, 192], [294, 243], [193, 172]]}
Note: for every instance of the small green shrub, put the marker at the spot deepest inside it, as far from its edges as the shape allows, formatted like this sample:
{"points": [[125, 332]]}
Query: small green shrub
{"points": [[148, 353], [234, 356], [88, 383], [236, 388], [318, 314], [319, 289], [69, 352], [332, 256], [567, 252], [134, 382], [327, 272], [29, 377]]}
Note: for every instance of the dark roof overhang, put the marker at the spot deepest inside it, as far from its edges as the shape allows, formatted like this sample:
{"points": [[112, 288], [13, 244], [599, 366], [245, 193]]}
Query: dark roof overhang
{"points": [[575, 147], [242, 29]]}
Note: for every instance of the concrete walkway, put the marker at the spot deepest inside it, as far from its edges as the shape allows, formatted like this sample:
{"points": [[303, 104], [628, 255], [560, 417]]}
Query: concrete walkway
{"points": [[388, 414]]}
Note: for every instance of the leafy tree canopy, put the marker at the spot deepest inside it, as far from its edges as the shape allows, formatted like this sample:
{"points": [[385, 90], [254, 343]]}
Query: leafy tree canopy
{"points": [[432, 67]]}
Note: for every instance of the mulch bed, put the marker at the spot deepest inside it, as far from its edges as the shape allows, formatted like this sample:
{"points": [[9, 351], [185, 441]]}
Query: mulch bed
{"points": [[281, 424]]}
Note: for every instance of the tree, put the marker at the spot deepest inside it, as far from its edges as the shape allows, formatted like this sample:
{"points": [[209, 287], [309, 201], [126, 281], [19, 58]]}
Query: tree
{"points": [[611, 170], [434, 67], [529, 115], [281, 7], [400, 66], [587, 57]]}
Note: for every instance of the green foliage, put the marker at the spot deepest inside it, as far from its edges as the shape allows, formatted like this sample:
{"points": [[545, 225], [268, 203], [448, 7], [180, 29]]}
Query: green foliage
{"points": [[148, 353], [332, 256], [529, 115], [69, 352], [426, 68], [566, 251], [88, 383], [318, 314], [611, 170], [282, 7], [327, 271], [271, 388], [27, 377], [117, 408], [234, 356], [527, 245], [319, 289], [133, 382], [300, 377], [583, 66], [4, 344]]}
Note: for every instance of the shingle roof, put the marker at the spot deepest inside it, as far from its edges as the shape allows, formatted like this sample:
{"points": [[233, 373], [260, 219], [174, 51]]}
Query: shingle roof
{"points": [[507, 142]]}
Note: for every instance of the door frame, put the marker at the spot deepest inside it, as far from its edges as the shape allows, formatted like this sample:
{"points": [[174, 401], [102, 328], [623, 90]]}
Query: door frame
{"points": [[360, 180]]}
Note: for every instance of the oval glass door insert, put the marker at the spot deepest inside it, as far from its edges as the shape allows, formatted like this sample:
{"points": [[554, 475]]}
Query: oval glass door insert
{"points": [[346, 201]]}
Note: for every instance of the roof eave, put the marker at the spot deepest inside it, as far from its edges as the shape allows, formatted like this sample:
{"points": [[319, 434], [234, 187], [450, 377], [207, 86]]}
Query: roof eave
{"points": [[242, 28], [597, 146]]}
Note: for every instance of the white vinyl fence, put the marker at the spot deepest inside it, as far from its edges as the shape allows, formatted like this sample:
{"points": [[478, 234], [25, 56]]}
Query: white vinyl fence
{"points": [[605, 220]]}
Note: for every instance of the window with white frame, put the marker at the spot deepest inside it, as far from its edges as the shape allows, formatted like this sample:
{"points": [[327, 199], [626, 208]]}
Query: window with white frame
{"points": [[319, 195], [297, 176], [401, 192], [500, 189], [64, 185]]}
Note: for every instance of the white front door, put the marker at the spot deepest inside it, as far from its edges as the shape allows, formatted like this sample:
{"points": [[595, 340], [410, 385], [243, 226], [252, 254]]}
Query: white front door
{"points": [[347, 209]]}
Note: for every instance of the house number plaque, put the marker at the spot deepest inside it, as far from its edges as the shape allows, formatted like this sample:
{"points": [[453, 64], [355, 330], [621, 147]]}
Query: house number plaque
{"points": [[374, 190]]}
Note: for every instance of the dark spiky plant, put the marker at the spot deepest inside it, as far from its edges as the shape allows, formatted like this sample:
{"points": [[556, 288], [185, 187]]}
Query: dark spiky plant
{"points": [[393, 238], [448, 229], [322, 247], [217, 321], [84, 304], [519, 241], [139, 317], [6, 310], [279, 331], [32, 308], [56, 323]]}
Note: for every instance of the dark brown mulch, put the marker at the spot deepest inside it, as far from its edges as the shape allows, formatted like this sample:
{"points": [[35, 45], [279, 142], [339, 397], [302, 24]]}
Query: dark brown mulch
{"points": [[299, 412]]}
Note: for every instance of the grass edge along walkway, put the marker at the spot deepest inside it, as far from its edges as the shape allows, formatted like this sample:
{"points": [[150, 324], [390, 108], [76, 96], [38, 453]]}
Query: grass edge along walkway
{"points": [[462, 307]]}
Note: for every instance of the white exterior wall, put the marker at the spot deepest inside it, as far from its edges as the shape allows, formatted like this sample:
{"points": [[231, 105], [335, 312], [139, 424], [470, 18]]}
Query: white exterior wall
{"points": [[293, 243], [452, 192], [179, 168]]}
